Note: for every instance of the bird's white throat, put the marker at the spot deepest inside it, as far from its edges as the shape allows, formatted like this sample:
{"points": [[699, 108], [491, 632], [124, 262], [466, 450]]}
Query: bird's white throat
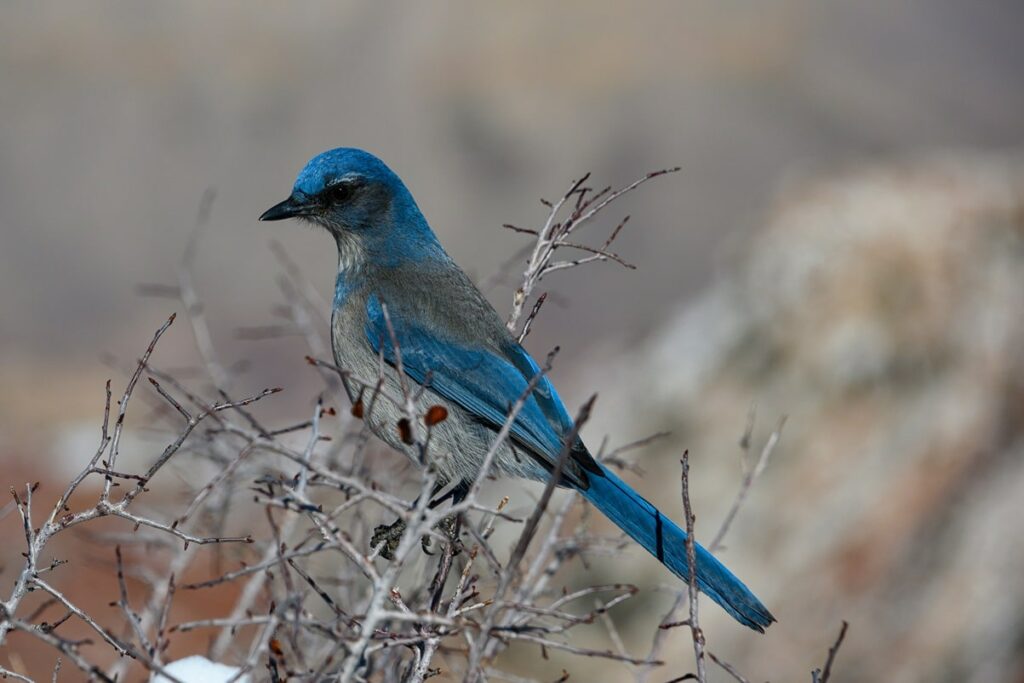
{"points": [[351, 254]]}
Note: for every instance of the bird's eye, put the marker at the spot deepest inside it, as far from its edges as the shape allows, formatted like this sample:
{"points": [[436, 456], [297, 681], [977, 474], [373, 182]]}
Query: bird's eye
{"points": [[339, 192]]}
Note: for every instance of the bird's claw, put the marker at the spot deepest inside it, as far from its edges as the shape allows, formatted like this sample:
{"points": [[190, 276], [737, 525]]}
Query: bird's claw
{"points": [[391, 535], [449, 526]]}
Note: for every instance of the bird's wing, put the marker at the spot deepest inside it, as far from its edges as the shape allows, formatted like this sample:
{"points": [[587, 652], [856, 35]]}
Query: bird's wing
{"points": [[485, 384]]}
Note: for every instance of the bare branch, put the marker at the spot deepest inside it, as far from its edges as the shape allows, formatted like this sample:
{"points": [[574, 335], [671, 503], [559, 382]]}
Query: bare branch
{"points": [[748, 480], [823, 676], [691, 562], [585, 206]]}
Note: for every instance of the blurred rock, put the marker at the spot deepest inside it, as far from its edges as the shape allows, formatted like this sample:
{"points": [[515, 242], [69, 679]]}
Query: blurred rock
{"points": [[883, 312]]}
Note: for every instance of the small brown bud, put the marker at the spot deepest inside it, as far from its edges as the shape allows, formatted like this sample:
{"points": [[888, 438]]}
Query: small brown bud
{"points": [[405, 431], [435, 415]]}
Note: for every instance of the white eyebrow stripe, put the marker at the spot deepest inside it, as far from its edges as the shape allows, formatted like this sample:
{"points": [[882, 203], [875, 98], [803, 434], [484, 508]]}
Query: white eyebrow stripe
{"points": [[351, 179]]}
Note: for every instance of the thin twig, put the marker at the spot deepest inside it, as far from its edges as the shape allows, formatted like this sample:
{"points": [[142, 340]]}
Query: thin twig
{"points": [[691, 562], [822, 676]]}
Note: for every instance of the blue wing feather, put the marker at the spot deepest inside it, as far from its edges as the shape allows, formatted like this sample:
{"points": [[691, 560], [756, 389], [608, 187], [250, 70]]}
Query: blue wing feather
{"points": [[481, 382], [545, 393]]}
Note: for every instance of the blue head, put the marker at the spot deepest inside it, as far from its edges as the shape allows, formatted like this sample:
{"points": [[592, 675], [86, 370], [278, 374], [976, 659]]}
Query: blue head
{"points": [[363, 203]]}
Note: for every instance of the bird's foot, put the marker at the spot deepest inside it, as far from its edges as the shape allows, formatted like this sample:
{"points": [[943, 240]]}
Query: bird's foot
{"points": [[449, 527], [391, 536]]}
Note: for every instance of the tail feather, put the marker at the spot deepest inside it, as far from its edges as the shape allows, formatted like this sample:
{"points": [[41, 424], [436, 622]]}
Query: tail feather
{"points": [[666, 541]]}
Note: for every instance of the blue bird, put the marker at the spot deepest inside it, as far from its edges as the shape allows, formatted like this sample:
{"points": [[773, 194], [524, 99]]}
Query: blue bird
{"points": [[391, 267]]}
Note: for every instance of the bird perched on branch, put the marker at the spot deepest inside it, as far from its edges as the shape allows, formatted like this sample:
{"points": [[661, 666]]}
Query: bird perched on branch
{"points": [[397, 287]]}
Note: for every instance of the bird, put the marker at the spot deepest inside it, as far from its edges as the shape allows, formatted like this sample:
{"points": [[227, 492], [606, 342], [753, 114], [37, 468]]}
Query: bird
{"points": [[399, 296]]}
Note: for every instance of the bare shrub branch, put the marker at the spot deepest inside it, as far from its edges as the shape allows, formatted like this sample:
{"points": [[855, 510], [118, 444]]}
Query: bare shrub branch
{"points": [[282, 515]]}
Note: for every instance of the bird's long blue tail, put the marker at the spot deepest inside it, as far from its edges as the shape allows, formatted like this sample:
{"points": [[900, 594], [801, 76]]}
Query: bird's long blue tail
{"points": [[666, 541]]}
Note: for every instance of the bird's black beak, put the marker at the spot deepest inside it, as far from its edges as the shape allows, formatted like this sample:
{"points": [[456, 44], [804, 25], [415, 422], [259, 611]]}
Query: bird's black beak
{"points": [[289, 208]]}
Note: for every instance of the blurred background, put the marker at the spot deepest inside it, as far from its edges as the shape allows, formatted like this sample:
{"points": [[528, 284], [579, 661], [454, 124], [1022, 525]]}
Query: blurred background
{"points": [[844, 245]]}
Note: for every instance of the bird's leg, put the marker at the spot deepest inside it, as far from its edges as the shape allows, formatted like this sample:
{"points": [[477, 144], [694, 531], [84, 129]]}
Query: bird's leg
{"points": [[391, 535], [451, 525]]}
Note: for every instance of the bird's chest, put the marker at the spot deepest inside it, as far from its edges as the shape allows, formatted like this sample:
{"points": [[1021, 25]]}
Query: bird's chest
{"points": [[352, 351], [373, 383]]}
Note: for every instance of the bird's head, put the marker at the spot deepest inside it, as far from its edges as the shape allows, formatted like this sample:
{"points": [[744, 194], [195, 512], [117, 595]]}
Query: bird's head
{"points": [[362, 202]]}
